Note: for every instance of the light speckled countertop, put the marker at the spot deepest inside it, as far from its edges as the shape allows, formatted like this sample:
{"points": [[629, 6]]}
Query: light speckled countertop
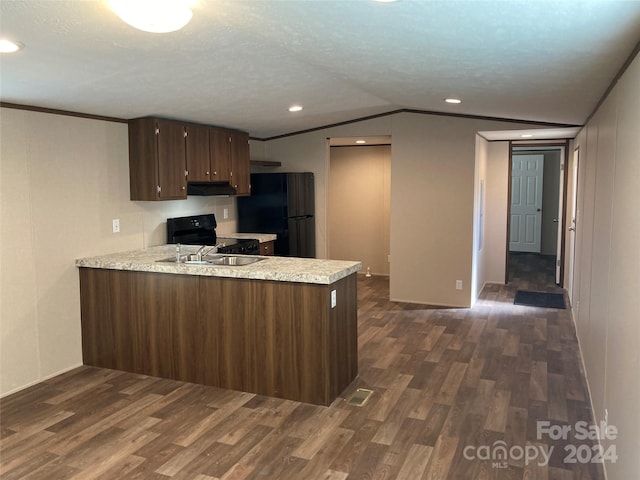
{"points": [[261, 237], [282, 269]]}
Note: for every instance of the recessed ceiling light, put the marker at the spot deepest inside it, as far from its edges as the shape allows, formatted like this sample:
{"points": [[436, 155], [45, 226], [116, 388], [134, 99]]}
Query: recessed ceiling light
{"points": [[526, 135], [155, 16], [453, 100], [295, 108], [361, 141], [8, 46]]}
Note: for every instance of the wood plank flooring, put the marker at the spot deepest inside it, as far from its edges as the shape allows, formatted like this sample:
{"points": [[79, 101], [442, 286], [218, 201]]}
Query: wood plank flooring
{"points": [[450, 386], [533, 271]]}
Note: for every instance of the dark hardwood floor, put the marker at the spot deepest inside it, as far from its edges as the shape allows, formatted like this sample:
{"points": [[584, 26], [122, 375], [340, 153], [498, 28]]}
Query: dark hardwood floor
{"points": [[450, 387], [533, 271]]}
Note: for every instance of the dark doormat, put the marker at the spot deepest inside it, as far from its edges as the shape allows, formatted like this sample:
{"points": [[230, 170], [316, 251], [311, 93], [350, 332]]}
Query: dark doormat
{"points": [[540, 299]]}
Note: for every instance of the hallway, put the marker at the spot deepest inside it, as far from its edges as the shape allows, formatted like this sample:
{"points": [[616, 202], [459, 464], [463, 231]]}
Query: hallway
{"points": [[533, 271]]}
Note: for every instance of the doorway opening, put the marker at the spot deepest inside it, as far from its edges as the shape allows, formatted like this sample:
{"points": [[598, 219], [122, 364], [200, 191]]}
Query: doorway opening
{"points": [[359, 202], [535, 220]]}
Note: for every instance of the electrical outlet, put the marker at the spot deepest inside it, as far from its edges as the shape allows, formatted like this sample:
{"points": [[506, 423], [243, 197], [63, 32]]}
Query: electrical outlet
{"points": [[458, 284], [116, 225], [225, 213]]}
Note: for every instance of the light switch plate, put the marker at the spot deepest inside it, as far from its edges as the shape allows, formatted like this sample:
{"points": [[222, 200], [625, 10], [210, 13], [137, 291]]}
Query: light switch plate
{"points": [[116, 225]]}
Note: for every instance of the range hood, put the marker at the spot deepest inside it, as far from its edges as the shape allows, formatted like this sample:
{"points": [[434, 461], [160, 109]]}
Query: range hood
{"points": [[210, 188]]}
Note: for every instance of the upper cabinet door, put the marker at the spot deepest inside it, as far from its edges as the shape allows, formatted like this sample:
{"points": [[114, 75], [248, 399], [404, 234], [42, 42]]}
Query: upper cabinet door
{"points": [[240, 162], [172, 182], [197, 153], [220, 155]]}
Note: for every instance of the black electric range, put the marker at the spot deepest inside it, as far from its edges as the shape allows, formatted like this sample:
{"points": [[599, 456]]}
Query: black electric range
{"points": [[201, 230]]}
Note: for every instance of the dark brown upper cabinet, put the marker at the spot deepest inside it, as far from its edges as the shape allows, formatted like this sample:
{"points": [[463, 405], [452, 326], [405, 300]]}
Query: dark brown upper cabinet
{"points": [[157, 164], [240, 174], [197, 153], [165, 154], [220, 154]]}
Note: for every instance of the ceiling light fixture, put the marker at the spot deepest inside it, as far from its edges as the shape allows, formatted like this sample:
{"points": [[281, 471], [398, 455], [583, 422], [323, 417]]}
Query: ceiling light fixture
{"points": [[9, 46], [361, 141], [453, 100], [295, 108], [155, 16], [526, 135]]}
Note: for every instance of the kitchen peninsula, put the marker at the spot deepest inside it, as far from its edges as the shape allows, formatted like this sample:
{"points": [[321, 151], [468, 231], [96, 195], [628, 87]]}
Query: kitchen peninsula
{"points": [[282, 327]]}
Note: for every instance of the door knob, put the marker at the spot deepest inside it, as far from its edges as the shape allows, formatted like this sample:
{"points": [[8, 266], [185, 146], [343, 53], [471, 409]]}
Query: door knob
{"points": [[555, 220], [571, 229]]}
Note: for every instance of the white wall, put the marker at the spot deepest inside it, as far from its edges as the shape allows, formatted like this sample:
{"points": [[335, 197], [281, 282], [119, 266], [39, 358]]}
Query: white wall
{"points": [[309, 152], [607, 304], [358, 206], [62, 181], [492, 168], [478, 273], [432, 197]]}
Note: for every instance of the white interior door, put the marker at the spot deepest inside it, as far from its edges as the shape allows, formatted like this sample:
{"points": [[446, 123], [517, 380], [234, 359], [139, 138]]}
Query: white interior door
{"points": [[558, 220], [526, 203]]}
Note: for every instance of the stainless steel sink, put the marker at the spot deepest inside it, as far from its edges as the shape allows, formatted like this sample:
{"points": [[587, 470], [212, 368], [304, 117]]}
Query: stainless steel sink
{"points": [[213, 260], [232, 260]]}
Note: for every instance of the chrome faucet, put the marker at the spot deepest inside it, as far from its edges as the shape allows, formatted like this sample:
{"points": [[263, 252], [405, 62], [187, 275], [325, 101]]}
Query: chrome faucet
{"points": [[199, 253]]}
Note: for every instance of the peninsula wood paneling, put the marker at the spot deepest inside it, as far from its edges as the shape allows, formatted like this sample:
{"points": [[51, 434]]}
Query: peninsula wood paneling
{"points": [[273, 338], [138, 322]]}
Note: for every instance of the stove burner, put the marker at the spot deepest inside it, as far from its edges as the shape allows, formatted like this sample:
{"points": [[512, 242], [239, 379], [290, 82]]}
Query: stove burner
{"points": [[201, 230]]}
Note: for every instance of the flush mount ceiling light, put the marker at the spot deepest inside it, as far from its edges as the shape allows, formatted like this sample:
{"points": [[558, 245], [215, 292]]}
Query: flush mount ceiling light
{"points": [[361, 141], [155, 16], [453, 100], [526, 135], [295, 108], [9, 46]]}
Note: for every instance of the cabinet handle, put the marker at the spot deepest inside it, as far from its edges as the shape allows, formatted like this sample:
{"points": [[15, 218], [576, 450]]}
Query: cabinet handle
{"points": [[183, 187], [215, 173], [207, 173]]}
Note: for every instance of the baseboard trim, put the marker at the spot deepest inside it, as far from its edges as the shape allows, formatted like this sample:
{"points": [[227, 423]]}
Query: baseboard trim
{"points": [[40, 380]]}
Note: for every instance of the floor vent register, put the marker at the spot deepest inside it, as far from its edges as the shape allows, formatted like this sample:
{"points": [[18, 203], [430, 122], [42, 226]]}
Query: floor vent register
{"points": [[359, 397]]}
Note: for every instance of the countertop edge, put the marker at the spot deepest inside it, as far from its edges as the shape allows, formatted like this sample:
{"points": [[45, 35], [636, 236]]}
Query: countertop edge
{"points": [[283, 269]]}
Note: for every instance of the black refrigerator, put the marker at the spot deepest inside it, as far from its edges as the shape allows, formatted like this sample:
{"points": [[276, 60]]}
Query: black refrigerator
{"points": [[281, 203]]}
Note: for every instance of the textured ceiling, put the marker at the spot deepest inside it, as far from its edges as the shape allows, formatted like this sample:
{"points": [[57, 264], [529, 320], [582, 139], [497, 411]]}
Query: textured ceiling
{"points": [[243, 63]]}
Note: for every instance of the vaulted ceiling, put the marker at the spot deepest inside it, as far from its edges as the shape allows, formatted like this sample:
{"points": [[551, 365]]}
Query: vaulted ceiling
{"points": [[243, 63]]}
